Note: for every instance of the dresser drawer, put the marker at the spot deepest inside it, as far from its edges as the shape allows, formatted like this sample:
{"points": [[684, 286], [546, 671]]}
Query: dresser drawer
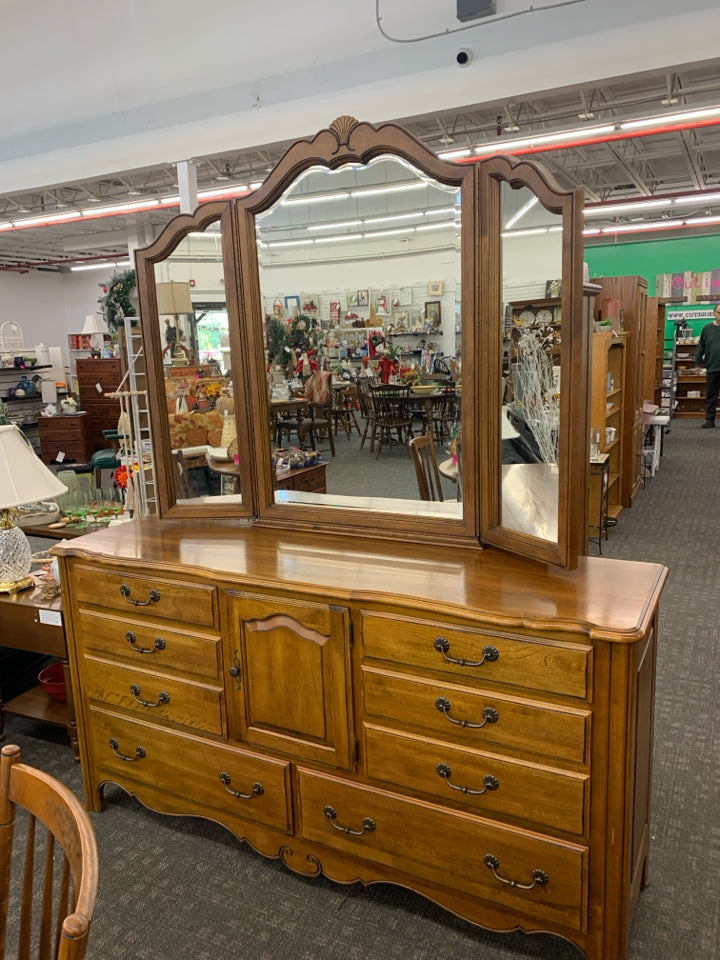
{"points": [[65, 428], [155, 696], [145, 594], [481, 782], [150, 646], [544, 665], [446, 848], [461, 714], [165, 761]]}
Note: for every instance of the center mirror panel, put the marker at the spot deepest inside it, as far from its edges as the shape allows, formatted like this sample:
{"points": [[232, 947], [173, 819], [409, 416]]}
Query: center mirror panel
{"points": [[360, 278]]}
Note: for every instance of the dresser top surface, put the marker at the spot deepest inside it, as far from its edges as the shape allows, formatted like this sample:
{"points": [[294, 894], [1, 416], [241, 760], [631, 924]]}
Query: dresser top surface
{"points": [[605, 598]]}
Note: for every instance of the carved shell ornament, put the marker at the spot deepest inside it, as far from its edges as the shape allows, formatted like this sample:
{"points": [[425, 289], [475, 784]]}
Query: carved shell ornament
{"points": [[342, 128]]}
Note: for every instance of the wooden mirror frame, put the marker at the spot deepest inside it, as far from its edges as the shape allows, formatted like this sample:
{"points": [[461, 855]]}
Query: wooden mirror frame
{"points": [[145, 260], [349, 141], [574, 363]]}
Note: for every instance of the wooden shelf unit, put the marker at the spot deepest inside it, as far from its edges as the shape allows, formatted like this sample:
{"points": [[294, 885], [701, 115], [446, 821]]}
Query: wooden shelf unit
{"points": [[654, 350], [608, 410], [688, 381]]}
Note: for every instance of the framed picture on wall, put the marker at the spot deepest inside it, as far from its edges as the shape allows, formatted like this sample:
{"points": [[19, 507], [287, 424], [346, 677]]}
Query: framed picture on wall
{"points": [[432, 312], [363, 298], [435, 288], [553, 288], [309, 304], [292, 306]]}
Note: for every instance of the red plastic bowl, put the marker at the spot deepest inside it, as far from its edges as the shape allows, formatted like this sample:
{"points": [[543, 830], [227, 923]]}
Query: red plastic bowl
{"points": [[52, 680]]}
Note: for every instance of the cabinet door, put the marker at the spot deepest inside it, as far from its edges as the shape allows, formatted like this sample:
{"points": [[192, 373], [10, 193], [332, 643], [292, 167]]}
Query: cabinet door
{"points": [[289, 683]]}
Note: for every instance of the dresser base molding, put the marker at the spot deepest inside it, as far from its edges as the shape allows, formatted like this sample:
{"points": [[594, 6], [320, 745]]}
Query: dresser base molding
{"points": [[356, 720]]}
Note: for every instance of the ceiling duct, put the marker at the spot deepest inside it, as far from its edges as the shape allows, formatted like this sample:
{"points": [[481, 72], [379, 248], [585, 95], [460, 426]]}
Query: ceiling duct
{"points": [[474, 9]]}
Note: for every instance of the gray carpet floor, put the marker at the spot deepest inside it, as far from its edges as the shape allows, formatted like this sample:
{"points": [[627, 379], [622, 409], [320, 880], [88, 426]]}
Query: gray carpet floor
{"points": [[185, 889]]}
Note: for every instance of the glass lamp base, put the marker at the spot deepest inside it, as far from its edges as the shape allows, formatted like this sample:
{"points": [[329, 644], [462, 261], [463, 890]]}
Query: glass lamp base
{"points": [[15, 557]]}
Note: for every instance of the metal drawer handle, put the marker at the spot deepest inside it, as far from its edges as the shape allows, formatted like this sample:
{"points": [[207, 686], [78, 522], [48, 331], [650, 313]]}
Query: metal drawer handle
{"points": [[490, 714], [257, 788], [540, 878], [153, 598], [162, 698], [490, 653], [368, 824], [139, 752], [131, 638], [490, 782]]}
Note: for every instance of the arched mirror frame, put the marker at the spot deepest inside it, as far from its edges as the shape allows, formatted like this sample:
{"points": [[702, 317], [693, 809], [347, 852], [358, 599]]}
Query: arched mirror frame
{"points": [[574, 363], [213, 212], [347, 141]]}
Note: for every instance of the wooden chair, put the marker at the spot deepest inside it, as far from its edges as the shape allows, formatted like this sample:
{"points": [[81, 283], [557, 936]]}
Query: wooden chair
{"points": [[62, 899], [444, 414], [393, 414], [426, 467], [367, 411]]}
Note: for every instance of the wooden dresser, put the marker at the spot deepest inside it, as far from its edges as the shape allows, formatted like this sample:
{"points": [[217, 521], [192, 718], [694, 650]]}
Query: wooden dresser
{"points": [[96, 378], [474, 726], [67, 435]]}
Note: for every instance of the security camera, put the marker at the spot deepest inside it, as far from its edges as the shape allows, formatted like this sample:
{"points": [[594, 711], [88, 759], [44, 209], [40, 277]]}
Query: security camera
{"points": [[463, 57]]}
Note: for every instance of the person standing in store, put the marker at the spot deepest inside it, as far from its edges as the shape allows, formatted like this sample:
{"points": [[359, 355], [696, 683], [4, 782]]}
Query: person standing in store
{"points": [[708, 355]]}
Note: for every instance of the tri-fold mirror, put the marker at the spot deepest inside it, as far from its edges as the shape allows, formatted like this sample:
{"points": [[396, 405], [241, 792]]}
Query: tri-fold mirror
{"points": [[342, 349]]}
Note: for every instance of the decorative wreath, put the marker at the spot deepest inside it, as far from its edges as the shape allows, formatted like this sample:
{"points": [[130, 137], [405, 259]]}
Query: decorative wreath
{"points": [[116, 304]]}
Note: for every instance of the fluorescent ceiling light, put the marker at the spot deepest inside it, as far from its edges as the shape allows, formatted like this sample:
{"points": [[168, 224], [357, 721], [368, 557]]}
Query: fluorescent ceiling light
{"points": [[592, 232], [322, 198], [649, 225], [521, 212], [102, 266], [602, 211], [671, 118], [699, 198], [398, 216], [698, 221], [50, 218], [290, 243], [388, 233], [436, 226], [454, 154], [170, 201], [120, 208], [222, 192], [376, 191], [340, 239], [533, 231], [335, 226], [586, 133]]}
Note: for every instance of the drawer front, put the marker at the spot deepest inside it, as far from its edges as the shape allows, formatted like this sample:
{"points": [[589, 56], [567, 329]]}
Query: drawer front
{"points": [[547, 666], [454, 713], [171, 599], [480, 782], [150, 646], [163, 759], [155, 696], [447, 848], [58, 428], [312, 481]]}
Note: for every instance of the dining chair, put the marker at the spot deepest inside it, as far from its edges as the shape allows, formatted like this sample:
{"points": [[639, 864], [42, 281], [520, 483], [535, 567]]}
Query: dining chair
{"points": [[46, 905], [426, 467], [444, 413], [367, 411], [394, 414]]}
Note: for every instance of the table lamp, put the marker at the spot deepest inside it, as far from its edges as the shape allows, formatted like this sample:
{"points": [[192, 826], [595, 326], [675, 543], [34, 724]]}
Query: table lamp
{"points": [[24, 478], [174, 299], [93, 324]]}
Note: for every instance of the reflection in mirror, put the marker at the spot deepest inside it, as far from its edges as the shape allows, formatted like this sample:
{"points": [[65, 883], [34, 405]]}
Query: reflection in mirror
{"points": [[192, 311], [360, 274], [532, 343]]}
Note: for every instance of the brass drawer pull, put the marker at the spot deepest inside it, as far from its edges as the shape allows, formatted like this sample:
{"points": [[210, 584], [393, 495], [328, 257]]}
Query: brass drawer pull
{"points": [[490, 782], [131, 638], [139, 752], [490, 653], [490, 714], [257, 788], [162, 698], [153, 598], [368, 824], [235, 670], [540, 878]]}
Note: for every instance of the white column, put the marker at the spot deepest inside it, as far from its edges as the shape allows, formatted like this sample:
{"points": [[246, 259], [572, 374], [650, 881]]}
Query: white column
{"points": [[187, 184]]}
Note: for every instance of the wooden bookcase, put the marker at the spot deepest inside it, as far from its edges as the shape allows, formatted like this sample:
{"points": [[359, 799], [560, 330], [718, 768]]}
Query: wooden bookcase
{"points": [[654, 350], [608, 410], [687, 382]]}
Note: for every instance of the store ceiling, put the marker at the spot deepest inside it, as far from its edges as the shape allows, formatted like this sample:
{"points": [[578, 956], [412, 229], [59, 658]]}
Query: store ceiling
{"points": [[681, 162]]}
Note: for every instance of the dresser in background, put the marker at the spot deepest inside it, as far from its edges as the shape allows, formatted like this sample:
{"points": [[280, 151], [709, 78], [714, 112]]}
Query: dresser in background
{"points": [[65, 438], [96, 378]]}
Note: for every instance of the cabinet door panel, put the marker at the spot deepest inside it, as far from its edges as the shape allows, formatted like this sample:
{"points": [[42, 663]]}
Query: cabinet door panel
{"points": [[291, 676]]}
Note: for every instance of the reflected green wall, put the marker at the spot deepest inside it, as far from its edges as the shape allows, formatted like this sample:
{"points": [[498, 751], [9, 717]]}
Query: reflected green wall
{"points": [[648, 259]]}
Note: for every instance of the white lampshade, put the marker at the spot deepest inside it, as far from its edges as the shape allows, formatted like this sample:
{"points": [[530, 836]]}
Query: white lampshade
{"points": [[93, 324], [174, 298], [24, 478]]}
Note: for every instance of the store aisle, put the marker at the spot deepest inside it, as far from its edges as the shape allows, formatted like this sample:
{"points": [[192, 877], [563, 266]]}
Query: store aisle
{"points": [[186, 889]]}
